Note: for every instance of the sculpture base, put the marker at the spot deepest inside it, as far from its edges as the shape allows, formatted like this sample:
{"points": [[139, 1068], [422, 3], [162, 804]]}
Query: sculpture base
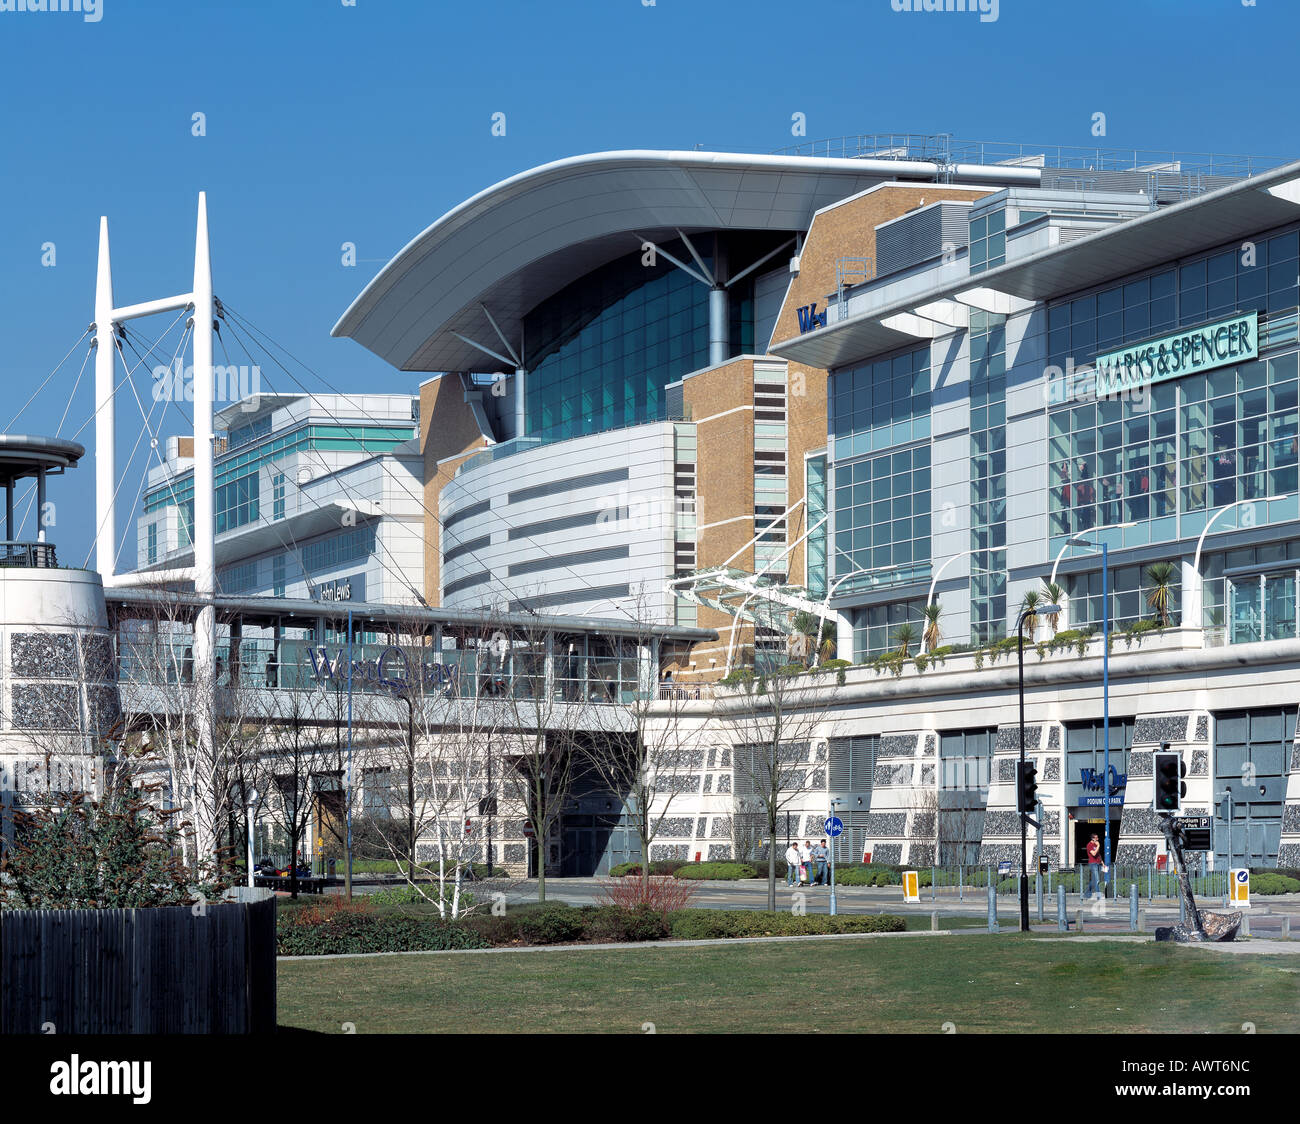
{"points": [[1215, 927]]}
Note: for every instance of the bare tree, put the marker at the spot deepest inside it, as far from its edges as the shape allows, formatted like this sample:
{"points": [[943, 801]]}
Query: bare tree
{"points": [[299, 747], [774, 725], [655, 755], [171, 694]]}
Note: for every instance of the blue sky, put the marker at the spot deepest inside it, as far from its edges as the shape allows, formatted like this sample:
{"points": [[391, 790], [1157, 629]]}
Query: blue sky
{"points": [[329, 123]]}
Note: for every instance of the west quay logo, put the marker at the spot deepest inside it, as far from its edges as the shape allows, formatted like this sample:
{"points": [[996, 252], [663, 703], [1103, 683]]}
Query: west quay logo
{"points": [[98, 1079], [1092, 780], [987, 9], [92, 11], [391, 671], [810, 318]]}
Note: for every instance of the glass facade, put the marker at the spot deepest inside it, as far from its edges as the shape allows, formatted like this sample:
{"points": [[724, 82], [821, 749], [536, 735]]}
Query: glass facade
{"points": [[602, 350], [369, 439], [1168, 455], [815, 485], [882, 499], [875, 628], [988, 476], [1130, 590], [1250, 593], [988, 240], [338, 550]]}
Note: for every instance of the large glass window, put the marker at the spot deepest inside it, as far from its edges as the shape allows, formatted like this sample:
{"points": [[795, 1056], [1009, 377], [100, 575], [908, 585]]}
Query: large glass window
{"points": [[602, 350], [1170, 456], [880, 404], [988, 480], [882, 518], [875, 628]]}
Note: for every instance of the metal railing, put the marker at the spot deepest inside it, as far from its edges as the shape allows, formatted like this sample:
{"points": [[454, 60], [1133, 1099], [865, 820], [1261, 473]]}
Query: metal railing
{"points": [[941, 148], [970, 883], [33, 555]]}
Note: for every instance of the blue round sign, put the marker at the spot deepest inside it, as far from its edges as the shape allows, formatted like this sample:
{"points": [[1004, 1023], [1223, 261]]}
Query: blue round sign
{"points": [[834, 826]]}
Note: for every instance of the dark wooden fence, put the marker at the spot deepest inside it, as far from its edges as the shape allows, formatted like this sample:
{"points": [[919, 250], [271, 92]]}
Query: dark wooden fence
{"points": [[139, 971]]}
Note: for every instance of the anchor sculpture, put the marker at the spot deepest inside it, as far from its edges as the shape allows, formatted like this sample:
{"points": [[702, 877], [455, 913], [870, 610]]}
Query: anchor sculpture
{"points": [[1198, 926]]}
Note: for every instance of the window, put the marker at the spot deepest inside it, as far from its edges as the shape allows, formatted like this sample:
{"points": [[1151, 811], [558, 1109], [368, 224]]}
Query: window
{"points": [[964, 759], [338, 550], [277, 495], [153, 543]]}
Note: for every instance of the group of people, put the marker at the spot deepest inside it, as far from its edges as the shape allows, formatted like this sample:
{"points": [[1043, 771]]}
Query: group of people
{"points": [[807, 863]]}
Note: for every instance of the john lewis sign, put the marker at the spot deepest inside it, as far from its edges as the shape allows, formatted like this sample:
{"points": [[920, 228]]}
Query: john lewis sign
{"points": [[1181, 353]]}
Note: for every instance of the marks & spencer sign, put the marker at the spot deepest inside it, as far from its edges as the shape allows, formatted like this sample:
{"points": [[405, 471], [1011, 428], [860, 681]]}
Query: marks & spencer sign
{"points": [[1185, 352]]}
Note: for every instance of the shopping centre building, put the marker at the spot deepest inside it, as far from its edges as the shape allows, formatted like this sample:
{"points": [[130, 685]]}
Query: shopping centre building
{"points": [[743, 397], [757, 391]]}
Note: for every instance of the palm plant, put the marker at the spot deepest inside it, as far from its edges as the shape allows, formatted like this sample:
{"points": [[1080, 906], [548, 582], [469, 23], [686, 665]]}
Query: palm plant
{"points": [[932, 636], [1161, 577], [1055, 593], [904, 638], [1030, 606]]}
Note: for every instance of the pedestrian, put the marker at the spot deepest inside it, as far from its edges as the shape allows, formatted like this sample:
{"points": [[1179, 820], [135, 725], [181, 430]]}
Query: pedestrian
{"points": [[791, 864], [805, 862], [819, 857], [1094, 865]]}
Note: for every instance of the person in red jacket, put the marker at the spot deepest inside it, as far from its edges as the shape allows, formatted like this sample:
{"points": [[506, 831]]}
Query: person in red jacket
{"points": [[1094, 865]]}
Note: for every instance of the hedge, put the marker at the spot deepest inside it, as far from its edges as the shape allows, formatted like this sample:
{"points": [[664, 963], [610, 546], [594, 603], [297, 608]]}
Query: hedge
{"points": [[661, 866], [718, 872], [332, 929], [710, 924], [328, 932]]}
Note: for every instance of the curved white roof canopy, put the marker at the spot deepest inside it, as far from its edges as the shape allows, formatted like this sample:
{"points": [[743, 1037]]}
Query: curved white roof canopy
{"points": [[518, 242]]}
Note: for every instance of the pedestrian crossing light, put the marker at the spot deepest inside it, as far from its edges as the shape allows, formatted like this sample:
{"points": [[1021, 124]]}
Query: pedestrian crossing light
{"points": [[1026, 787], [1170, 786]]}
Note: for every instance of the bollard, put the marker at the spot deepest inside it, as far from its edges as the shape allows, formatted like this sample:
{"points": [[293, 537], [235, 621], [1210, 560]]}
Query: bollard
{"points": [[1142, 920], [934, 922], [1133, 907], [933, 880], [993, 908], [1078, 920], [1038, 893], [1286, 928], [1148, 881], [1061, 922], [1245, 925]]}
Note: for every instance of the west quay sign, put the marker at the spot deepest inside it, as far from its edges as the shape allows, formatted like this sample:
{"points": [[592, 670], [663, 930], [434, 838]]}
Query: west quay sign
{"points": [[1094, 781], [391, 671], [1181, 353]]}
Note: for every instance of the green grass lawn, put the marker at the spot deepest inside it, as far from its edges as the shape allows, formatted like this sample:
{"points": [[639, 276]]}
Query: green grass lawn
{"points": [[909, 985]]}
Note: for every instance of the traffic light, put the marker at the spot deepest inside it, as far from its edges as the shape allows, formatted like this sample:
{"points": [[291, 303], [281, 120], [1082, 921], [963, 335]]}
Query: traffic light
{"points": [[1170, 787], [1026, 787]]}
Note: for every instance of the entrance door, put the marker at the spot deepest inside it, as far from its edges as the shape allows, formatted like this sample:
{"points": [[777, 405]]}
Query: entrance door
{"points": [[1279, 606], [1245, 604]]}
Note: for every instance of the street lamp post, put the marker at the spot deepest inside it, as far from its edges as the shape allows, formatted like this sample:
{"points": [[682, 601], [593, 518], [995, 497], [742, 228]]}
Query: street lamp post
{"points": [[1024, 815], [834, 804], [1105, 702]]}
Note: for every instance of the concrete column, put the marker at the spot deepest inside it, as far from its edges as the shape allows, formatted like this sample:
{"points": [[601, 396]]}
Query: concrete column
{"points": [[719, 326], [9, 509], [1193, 590], [521, 404], [40, 505]]}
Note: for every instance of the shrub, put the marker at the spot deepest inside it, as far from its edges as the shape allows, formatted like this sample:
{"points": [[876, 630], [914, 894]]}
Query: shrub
{"points": [[867, 874], [609, 924], [658, 893], [791, 669], [659, 866], [717, 872], [713, 924], [334, 926], [738, 676], [116, 852], [552, 924], [1270, 882]]}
